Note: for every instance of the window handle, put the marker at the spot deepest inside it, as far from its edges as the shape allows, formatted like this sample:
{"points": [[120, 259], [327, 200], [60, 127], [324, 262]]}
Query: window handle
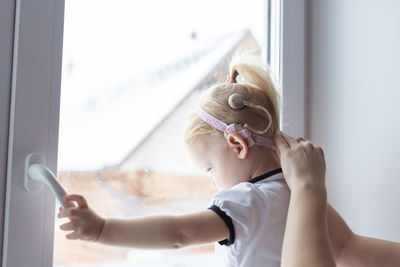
{"points": [[37, 174]]}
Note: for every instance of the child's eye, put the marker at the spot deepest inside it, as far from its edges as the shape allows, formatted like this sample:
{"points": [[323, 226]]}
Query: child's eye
{"points": [[209, 169]]}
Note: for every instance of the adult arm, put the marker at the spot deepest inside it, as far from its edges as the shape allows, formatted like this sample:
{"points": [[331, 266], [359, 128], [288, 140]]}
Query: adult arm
{"points": [[348, 249], [306, 241], [361, 251], [352, 250]]}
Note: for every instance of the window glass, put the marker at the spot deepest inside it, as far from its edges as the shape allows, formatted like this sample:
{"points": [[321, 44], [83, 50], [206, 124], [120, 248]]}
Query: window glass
{"points": [[132, 72]]}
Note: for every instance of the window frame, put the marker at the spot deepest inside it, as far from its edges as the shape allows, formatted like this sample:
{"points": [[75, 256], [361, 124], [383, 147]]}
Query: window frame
{"points": [[7, 9], [35, 28], [36, 52], [293, 68]]}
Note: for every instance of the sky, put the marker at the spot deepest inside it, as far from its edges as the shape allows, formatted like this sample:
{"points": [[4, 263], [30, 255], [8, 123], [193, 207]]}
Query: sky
{"points": [[108, 44]]}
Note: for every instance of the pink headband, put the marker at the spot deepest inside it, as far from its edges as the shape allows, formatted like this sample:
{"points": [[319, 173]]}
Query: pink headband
{"points": [[245, 133]]}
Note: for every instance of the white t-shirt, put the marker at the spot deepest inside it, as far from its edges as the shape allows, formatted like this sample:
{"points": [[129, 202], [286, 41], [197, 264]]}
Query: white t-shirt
{"points": [[255, 213]]}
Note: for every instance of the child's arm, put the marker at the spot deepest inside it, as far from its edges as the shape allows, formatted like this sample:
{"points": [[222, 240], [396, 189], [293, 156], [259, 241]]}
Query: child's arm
{"points": [[162, 231]]}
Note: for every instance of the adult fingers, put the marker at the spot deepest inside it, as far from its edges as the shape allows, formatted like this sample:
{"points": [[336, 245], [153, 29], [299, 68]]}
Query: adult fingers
{"points": [[307, 144], [321, 151], [290, 140], [281, 143], [78, 198]]}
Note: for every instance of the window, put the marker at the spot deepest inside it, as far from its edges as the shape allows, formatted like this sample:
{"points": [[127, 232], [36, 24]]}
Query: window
{"points": [[131, 74], [274, 36], [104, 133]]}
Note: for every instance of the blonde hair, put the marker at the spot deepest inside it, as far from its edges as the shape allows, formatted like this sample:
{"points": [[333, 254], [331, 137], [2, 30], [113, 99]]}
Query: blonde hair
{"points": [[257, 87]]}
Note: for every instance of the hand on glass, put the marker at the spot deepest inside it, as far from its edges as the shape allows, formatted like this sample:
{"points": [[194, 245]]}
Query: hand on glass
{"points": [[302, 162], [84, 222]]}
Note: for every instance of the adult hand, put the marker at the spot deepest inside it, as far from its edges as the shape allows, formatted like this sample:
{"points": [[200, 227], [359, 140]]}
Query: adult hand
{"points": [[302, 162], [84, 222], [306, 241]]}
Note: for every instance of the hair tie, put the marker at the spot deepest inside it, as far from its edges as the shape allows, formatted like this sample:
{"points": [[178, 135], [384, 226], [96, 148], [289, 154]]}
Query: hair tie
{"points": [[229, 80], [236, 101], [233, 79]]}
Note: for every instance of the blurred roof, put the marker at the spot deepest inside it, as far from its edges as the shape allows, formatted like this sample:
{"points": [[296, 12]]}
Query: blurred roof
{"points": [[101, 123]]}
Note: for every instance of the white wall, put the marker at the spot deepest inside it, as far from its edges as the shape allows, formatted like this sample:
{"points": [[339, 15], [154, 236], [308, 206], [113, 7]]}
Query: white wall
{"points": [[353, 88]]}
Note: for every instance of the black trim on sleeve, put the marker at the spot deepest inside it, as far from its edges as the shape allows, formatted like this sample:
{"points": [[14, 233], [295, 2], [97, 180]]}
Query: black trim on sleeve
{"points": [[231, 239], [265, 175]]}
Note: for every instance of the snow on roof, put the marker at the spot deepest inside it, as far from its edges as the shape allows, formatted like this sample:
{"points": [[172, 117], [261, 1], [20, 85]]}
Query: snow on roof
{"points": [[103, 118]]}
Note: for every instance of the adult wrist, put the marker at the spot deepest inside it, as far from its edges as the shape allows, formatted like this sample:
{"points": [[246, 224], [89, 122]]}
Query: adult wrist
{"points": [[314, 196], [308, 185]]}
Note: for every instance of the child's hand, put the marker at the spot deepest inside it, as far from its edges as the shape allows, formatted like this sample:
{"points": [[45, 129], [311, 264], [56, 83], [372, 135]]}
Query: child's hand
{"points": [[85, 223], [302, 162]]}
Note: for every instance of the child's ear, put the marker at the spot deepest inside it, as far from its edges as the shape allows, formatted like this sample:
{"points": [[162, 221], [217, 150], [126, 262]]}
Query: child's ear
{"points": [[238, 144]]}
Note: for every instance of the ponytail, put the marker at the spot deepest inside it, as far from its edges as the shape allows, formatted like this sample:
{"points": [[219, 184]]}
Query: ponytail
{"points": [[255, 87], [258, 75]]}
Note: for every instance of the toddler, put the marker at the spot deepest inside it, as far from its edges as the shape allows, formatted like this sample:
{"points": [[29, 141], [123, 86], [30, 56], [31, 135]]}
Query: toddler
{"points": [[230, 136]]}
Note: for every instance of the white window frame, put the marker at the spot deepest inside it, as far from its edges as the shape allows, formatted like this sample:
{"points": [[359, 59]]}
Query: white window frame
{"points": [[28, 232], [6, 47], [30, 114], [293, 67]]}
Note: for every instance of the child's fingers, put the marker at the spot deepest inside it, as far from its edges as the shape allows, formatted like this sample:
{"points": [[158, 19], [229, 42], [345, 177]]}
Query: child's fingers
{"points": [[73, 235], [68, 226], [78, 198], [69, 213]]}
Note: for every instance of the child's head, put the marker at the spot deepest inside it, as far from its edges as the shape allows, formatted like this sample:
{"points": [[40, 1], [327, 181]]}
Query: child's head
{"points": [[224, 152]]}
